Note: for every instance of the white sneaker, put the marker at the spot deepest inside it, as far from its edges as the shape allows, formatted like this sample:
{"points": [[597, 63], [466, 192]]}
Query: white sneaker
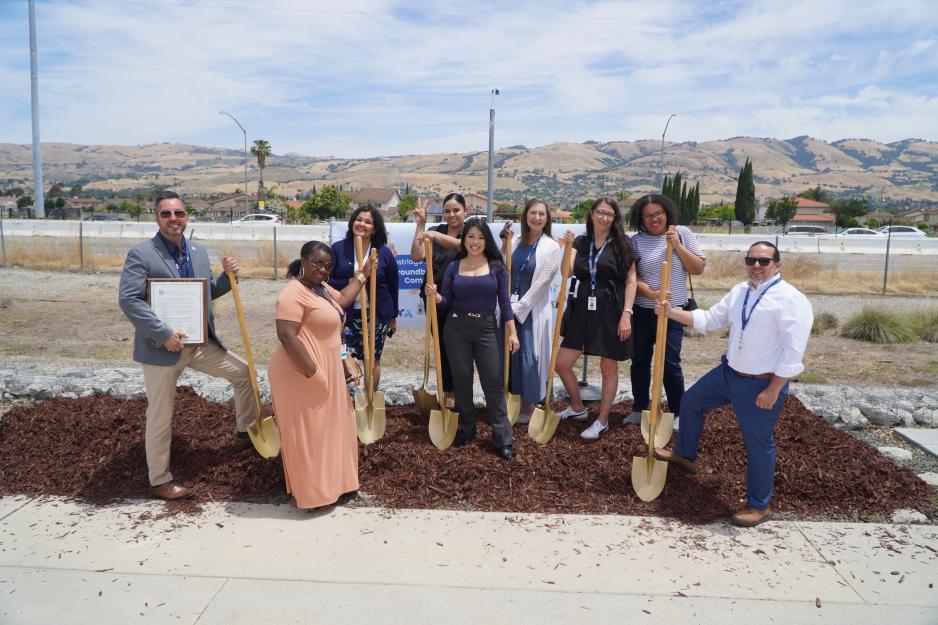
{"points": [[524, 418], [677, 422], [570, 413], [594, 431], [633, 419]]}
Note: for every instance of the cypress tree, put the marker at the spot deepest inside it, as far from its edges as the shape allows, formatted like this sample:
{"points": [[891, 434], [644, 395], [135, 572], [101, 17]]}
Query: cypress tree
{"points": [[746, 196]]}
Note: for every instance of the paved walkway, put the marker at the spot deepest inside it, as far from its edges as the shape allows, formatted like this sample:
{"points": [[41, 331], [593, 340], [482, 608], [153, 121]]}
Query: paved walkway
{"points": [[68, 563]]}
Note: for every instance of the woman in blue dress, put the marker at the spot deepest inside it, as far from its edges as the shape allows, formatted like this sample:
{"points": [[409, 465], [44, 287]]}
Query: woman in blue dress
{"points": [[535, 260]]}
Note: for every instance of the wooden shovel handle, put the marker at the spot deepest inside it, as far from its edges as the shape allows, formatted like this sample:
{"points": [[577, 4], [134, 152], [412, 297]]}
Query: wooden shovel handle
{"points": [[360, 256], [372, 297], [561, 301], [434, 322], [248, 352], [505, 329], [661, 337]]}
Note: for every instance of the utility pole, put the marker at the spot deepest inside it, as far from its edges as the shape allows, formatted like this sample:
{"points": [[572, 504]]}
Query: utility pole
{"points": [[490, 211], [39, 200], [661, 155], [246, 210]]}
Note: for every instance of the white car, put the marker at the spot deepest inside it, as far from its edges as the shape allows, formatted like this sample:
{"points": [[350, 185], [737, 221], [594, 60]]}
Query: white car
{"points": [[855, 232], [902, 231], [259, 219], [803, 230]]}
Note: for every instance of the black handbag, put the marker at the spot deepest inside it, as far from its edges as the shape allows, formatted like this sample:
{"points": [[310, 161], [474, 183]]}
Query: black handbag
{"points": [[691, 301]]}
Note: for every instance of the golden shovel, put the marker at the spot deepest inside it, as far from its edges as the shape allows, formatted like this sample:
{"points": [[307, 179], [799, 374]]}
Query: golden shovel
{"points": [[648, 474], [376, 409], [363, 414], [513, 402], [423, 399], [263, 432], [443, 421], [544, 422]]}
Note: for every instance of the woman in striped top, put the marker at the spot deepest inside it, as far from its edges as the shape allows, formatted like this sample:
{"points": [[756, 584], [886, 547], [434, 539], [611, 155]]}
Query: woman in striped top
{"points": [[654, 218]]}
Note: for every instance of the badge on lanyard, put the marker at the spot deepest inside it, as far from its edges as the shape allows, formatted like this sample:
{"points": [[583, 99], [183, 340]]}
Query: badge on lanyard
{"points": [[591, 302], [514, 298], [344, 351], [593, 262], [746, 317]]}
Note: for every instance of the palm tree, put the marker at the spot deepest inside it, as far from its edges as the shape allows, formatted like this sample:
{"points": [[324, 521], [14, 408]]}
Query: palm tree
{"points": [[261, 150]]}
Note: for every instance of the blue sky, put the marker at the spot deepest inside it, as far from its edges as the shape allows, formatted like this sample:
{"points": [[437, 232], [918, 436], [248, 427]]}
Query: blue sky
{"points": [[370, 78]]}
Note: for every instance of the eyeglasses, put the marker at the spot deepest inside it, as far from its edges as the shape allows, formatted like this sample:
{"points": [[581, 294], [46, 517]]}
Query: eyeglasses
{"points": [[177, 214], [320, 264], [763, 262], [605, 214], [653, 216]]}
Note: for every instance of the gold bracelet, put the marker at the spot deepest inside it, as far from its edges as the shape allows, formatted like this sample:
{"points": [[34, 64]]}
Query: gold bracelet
{"points": [[361, 277]]}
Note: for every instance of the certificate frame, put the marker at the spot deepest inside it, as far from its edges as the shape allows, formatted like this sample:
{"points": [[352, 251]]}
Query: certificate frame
{"points": [[180, 304]]}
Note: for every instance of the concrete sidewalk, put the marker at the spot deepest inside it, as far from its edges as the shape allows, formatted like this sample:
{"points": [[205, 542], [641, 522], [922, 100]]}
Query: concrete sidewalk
{"points": [[68, 563]]}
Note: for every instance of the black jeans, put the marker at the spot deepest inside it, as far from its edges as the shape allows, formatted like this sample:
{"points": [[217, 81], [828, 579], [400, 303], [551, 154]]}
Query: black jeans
{"points": [[644, 330], [472, 338]]}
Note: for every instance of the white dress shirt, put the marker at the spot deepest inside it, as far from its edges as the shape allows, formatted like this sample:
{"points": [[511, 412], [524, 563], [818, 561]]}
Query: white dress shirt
{"points": [[776, 333]]}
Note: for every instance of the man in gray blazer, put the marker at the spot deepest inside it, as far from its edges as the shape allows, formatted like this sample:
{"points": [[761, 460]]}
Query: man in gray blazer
{"points": [[160, 348]]}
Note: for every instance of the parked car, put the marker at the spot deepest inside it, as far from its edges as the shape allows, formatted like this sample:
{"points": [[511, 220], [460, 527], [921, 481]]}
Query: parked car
{"points": [[809, 230], [902, 231], [102, 218], [853, 232], [259, 219]]}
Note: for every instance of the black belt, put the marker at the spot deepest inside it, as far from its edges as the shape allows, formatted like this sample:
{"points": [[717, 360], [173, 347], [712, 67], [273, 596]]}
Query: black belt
{"points": [[475, 315], [761, 376]]}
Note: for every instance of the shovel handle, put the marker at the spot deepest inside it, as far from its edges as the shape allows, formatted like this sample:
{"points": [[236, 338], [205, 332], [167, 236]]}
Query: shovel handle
{"points": [[248, 352], [372, 296], [434, 323], [360, 256], [561, 301], [505, 330], [661, 335]]}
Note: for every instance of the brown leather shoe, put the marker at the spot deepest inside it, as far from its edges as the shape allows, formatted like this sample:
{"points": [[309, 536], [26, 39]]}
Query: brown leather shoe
{"points": [[750, 517], [171, 492], [665, 455], [241, 442]]}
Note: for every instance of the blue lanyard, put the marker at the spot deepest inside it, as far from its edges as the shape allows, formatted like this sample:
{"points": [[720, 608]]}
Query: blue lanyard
{"points": [[185, 269], [593, 262], [524, 265], [324, 293], [745, 317]]}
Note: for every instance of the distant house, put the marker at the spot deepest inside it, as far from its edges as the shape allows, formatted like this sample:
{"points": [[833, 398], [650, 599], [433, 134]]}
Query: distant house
{"points": [[386, 200], [929, 216], [881, 217], [812, 213], [477, 204], [7, 202], [229, 207], [83, 204]]}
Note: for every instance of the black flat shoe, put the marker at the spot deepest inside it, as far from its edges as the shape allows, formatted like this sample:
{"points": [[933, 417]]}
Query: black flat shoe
{"points": [[506, 453], [461, 441]]}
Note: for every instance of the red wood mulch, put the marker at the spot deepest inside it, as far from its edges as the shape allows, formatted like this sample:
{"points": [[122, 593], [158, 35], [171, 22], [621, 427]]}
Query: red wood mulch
{"points": [[92, 449]]}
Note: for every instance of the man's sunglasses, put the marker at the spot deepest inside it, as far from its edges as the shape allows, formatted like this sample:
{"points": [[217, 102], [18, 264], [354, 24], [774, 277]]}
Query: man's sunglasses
{"points": [[763, 262], [177, 214]]}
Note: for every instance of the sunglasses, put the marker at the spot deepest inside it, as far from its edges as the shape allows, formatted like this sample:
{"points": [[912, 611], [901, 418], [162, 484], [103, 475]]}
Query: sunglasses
{"points": [[321, 264], [763, 262], [177, 214]]}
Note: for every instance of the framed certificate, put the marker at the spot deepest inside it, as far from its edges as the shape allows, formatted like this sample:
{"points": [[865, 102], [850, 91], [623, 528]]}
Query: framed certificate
{"points": [[180, 304]]}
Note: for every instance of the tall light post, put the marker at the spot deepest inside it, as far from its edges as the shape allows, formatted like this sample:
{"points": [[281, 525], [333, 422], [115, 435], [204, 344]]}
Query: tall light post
{"points": [[489, 211], [39, 201], [661, 156], [246, 211]]}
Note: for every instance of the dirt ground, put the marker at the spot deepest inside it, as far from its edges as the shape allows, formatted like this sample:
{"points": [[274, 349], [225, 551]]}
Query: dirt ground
{"points": [[57, 316]]}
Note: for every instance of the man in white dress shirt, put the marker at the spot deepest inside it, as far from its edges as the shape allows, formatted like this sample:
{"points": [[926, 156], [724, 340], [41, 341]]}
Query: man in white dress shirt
{"points": [[769, 322]]}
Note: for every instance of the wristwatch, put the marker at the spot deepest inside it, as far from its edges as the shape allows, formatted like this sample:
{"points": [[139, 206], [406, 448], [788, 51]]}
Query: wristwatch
{"points": [[627, 311]]}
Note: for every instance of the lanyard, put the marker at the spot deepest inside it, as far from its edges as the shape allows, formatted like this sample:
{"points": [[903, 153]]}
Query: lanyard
{"points": [[324, 293], [524, 265], [593, 262], [185, 269], [745, 317]]}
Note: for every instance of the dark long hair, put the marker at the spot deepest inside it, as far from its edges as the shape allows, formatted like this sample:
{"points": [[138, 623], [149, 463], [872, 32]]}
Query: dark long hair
{"points": [[491, 251], [524, 217], [293, 269], [636, 219], [379, 236], [622, 245], [459, 199]]}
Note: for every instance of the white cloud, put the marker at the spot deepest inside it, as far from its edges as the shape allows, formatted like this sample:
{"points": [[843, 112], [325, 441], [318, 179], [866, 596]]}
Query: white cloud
{"points": [[383, 77]]}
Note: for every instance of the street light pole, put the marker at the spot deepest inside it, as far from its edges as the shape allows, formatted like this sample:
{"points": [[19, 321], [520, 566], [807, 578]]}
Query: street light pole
{"points": [[39, 202], [661, 156], [489, 211], [246, 211]]}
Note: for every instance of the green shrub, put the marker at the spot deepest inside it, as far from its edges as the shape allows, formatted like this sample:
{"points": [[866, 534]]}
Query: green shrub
{"points": [[877, 326], [924, 324], [824, 322]]}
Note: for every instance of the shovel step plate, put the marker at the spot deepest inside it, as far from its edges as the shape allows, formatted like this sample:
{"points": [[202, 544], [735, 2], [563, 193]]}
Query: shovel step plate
{"points": [[662, 432], [648, 485], [513, 403]]}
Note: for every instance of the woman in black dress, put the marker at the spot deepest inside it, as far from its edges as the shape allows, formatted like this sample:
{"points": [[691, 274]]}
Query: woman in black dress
{"points": [[600, 321]]}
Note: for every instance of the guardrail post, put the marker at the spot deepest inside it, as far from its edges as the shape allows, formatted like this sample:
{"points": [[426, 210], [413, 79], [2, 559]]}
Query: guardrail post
{"points": [[886, 268], [81, 247], [3, 245], [275, 253]]}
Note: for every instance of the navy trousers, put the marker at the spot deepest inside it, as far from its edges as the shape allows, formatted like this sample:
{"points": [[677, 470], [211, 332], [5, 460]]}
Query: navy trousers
{"points": [[721, 387], [644, 331]]}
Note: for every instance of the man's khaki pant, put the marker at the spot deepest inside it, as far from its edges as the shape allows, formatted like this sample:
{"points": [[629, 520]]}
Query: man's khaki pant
{"points": [[160, 382]]}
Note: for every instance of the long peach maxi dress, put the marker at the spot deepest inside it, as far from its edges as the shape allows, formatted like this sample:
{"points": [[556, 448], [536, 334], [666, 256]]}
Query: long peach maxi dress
{"points": [[315, 415]]}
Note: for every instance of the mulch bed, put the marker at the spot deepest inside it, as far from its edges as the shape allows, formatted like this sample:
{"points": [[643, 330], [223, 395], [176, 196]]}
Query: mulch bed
{"points": [[92, 449]]}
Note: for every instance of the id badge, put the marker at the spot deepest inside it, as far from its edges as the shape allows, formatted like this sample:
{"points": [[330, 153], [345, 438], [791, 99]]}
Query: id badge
{"points": [[514, 298], [344, 351], [591, 302]]}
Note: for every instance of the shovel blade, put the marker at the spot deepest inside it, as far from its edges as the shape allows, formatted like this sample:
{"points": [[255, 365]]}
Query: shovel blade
{"points": [[662, 432], [513, 403], [536, 424], [442, 427], [648, 484], [377, 416], [425, 402], [265, 436], [551, 421]]}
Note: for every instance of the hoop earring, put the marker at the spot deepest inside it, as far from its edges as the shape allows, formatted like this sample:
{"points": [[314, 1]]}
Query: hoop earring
{"points": [[302, 272]]}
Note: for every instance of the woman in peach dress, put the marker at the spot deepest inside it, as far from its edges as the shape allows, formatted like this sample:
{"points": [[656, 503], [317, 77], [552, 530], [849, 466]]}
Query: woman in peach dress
{"points": [[307, 382]]}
